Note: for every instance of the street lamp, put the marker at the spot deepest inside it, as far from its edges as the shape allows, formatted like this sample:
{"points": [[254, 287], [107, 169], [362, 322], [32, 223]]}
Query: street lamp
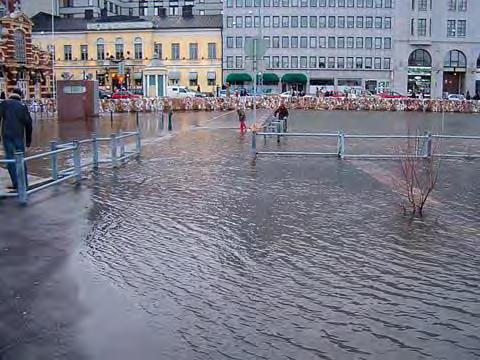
{"points": [[54, 85]]}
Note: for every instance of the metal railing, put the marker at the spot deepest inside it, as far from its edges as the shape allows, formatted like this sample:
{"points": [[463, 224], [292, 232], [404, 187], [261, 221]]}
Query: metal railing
{"points": [[118, 153], [425, 151]]}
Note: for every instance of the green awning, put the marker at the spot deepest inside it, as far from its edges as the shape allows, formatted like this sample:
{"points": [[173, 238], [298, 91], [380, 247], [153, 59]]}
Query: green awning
{"points": [[294, 78], [236, 78], [269, 78]]}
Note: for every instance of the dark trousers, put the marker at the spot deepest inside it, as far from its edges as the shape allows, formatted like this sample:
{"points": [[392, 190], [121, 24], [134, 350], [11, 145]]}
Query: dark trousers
{"points": [[11, 146]]}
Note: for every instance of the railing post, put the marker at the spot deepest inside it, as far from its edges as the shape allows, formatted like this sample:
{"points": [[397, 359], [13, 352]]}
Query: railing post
{"points": [[54, 160], [285, 124], [429, 144], [111, 117], [113, 149], [254, 143], [136, 119], [95, 151], [77, 167], [163, 120], [170, 125], [341, 144], [138, 142], [279, 130], [21, 178]]}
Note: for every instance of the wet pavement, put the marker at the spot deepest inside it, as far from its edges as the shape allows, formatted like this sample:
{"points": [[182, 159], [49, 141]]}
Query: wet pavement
{"points": [[196, 252]]}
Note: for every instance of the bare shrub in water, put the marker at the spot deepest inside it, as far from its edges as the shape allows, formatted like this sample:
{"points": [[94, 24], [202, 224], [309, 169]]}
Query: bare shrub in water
{"points": [[419, 171]]}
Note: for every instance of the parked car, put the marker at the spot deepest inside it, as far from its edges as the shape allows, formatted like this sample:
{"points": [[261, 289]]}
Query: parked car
{"points": [[124, 95], [335, 94], [176, 91], [103, 94], [286, 94], [456, 97], [391, 95], [222, 93]]}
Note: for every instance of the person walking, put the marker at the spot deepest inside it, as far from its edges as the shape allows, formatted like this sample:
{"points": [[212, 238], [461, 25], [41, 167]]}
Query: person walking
{"points": [[16, 125], [282, 112], [242, 118], [468, 97]]}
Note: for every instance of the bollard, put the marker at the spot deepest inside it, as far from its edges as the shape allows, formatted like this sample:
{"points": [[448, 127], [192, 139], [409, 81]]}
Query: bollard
{"points": [[95, 151], [54, 160], [136, 119], [279, 130], [170, 115], [254, 144], [21, 178], [113, 149], [111, 117], [138, 143], [341, 144], [77, 167]]}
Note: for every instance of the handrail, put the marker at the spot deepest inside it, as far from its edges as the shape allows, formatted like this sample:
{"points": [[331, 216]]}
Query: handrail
{"points": [[116, 142]]}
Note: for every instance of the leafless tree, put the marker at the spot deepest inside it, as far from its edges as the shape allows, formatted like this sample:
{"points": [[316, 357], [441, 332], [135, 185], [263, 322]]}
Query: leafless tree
{"points": [[419, 170]]}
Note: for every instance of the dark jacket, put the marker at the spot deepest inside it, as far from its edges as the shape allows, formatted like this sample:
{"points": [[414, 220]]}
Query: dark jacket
{"points": [[16, 120], [281, 111]]}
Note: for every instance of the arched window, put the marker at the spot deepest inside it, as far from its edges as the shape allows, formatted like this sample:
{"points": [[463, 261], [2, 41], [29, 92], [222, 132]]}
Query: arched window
{"points": [[138, 48], [455, 59], [20, 52], [420, 57], [119, 49], [100, 49]]}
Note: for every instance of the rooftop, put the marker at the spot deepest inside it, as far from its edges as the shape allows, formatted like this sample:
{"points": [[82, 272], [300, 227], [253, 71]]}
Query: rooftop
{"points": [[43, 22]]}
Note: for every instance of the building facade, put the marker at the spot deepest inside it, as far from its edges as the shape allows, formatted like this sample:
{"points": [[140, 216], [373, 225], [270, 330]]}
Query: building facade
{"points": [[422, 46], [121, 51], [92, 8], [23, 64]]}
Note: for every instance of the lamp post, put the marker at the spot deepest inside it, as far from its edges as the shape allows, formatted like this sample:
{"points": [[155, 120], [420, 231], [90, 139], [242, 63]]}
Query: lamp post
{"points": [[54, 85], [256, 46]]}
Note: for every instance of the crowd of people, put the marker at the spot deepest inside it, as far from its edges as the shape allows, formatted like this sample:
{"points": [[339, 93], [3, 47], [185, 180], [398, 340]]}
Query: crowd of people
{"points": [[272, 102]]}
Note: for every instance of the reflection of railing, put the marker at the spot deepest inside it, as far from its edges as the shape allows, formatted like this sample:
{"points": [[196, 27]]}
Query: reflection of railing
{"points": [[118, 154], [426, 146]]}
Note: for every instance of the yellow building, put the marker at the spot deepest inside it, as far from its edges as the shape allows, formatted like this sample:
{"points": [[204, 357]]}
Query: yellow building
{"points": [[136, 53]]}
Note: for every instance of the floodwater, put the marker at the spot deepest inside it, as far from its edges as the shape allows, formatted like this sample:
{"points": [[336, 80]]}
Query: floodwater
{"points": [[198, 252]]}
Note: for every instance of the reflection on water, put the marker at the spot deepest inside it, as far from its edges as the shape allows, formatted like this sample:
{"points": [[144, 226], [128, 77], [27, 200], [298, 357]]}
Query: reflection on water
{"points": [[291, 258]]}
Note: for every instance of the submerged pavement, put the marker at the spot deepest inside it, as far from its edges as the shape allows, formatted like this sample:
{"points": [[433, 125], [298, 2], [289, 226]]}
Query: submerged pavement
{"points": [[195, 252]]}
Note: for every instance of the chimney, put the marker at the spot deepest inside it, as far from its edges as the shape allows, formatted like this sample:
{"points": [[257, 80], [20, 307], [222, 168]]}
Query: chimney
{"points": [[89, 14], [187, 11]]}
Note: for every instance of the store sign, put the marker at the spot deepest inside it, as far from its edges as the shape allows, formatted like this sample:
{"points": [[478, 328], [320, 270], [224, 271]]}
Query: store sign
{"points": [[419, 70]]}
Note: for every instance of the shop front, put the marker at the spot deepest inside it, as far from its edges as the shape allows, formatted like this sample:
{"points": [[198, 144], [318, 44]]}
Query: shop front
{"points": [[419, 80], [454, 71], [294, 81]]}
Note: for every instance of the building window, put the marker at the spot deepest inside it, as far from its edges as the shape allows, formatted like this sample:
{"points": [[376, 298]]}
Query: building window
{"points": [[239, 42], [248, 21], [455, 59], [322, 21], [350, 22], [100, 49], [331, 42], [452, 5], [359, 63], [420, 57], [173, 11], [341, 3], [341, 42], [229, 62], [378, 43], [359, 22], [285, 21], [368, 43], [285, 42], [322, 62], [368, 63], [276, 42], [341, 22], [67, 52], [462, 5], [294, 22], [294, 42], [313, 42], [341, 62], [239, 62], [138, 48], [359, 43], [119, 49], [312, 64], [256, 21], [331, 3], [193, 51], [158, 50], [377, 63], [388, 4], [229, 21], [266, 61], [303, 21], [369, 22], [331, 62], [350, 42], [294, 62], [386, 63], [303, 42], [422, 5], [378, 22], [331, 21], [229, 42], [285, 62], [275, 62], [349, 62], [451, 24], [266, 21], [387, 23], [360, 3], [461, 28], [387, 43], [229, 3], [313, 22], [303, 62], [322, 42], [20, 49], [212, 51], [83, 52], [422, 27], [175, 51], [239, 22], [276, 21]]}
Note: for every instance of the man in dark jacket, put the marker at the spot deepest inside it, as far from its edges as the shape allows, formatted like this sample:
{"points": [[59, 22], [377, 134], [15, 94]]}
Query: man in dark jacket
{"points": [[282, 112], [16, 129]]}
